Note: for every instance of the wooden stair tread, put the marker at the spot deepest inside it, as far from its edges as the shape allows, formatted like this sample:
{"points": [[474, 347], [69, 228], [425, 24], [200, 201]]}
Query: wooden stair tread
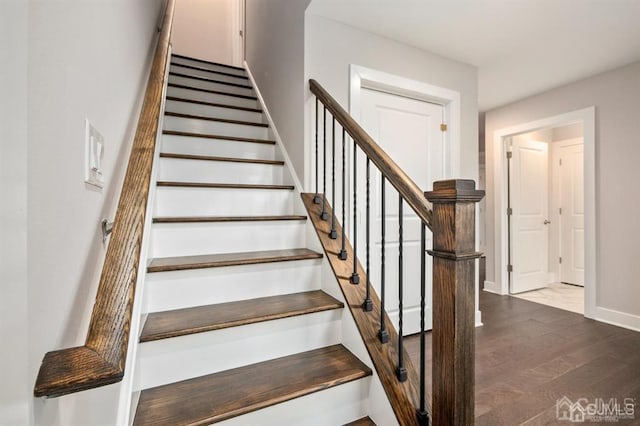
{"points": [[220, 396], [211, 80], [220, 120], [215, 92], [212, 104], [194, 67], [180, 322], [229, 259], [365, 421], [221, 137], [403, 396], [206, 62], [223, 185], [192, 219], [224, 159]]}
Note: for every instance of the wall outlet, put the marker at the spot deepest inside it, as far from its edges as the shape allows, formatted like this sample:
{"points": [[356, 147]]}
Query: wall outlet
{"points": [[94, 153]]}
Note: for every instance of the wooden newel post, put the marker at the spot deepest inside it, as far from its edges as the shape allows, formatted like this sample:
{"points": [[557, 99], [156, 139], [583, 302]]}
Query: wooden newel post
{"points": [[453, 334]]}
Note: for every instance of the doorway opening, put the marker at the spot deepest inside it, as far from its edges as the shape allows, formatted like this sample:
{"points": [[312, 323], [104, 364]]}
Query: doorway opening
{"points": [[545, 216], [502, 138]]}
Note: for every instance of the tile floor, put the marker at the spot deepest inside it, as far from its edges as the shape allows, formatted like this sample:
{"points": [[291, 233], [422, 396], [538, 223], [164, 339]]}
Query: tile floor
{"points": [[561, 296]]}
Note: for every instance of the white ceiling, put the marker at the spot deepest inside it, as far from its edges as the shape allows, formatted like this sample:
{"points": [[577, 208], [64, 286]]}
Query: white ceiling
{"points": [[521, 47]]}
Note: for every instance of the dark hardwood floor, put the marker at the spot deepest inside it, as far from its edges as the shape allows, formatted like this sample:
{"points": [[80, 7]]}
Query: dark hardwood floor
{"points": [[530, 355]]}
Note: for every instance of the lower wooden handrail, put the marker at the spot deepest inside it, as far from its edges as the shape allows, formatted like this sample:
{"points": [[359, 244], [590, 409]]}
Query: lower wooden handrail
{"points": [[101, 361]]}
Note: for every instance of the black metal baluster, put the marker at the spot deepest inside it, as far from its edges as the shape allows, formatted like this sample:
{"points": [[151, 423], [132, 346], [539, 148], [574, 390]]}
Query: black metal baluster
{"points": [[368, 305], [343, 251], [316, 198], [402, 371], [333, 234], [324, 215], [355, 277], [423, 416], [383, 335]]}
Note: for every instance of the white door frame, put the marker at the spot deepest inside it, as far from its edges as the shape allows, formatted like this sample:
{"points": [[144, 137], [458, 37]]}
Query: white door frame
{"points": [[587, 117], [237, 26], [368, 78], [361, 77]]}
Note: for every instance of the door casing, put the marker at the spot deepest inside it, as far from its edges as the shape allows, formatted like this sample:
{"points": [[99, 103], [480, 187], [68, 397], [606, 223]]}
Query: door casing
{"points": [[363, 77], [585, 116]]}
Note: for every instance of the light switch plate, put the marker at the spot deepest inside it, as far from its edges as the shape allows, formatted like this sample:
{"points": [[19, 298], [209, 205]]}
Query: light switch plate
{"points": [[94, 153]]}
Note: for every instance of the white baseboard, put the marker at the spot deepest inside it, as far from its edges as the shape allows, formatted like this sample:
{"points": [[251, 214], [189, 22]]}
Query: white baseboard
{"points": [[272, 126], [479, 319], [491, 287], [617, 318]]}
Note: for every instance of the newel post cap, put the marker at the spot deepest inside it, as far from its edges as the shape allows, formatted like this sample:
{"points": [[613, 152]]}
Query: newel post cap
{"points": [[452, 190]]}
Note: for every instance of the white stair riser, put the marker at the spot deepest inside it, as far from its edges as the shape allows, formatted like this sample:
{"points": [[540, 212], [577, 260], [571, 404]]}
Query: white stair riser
{"points": [[222, 202], [215, 128], [212, 75], [213, 67], [189, 239], [211, 111], [179, 358], [210, 85], [337, 405], [217, 147], [166, 291], [211, 97], [182, 170]]}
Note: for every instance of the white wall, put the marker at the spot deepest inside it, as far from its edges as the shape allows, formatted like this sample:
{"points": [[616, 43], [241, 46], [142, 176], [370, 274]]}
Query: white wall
{"points": [[14, 380], [330, 47], [205, 29], [87, 59], [616, 96], [275, 55]]}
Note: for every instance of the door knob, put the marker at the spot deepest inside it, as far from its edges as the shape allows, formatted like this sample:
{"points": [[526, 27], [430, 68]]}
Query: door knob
{"points": [[546, 222]]}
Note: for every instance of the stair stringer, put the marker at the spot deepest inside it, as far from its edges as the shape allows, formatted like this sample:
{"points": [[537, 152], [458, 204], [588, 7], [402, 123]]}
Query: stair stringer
{"points": [[366, 324], [128, 399], [281, 152], [379, 408]]}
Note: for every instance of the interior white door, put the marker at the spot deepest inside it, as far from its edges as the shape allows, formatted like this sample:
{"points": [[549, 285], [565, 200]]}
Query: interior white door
{"points": [[572, 217], [529, 192], [409, 131], [238, 32]]}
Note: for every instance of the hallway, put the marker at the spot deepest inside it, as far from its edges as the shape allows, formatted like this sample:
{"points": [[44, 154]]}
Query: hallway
{"points": [[529, 355]]}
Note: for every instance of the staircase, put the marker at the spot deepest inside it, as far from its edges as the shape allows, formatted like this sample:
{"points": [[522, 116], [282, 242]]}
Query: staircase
{"points": [[240, 324]]}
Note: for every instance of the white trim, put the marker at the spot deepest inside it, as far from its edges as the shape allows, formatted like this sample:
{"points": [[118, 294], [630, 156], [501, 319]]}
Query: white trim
{"points": [[128, 398], [587, 117], [237, 54], [491, 287], [276, 135], [361, 77], [617, 318]]}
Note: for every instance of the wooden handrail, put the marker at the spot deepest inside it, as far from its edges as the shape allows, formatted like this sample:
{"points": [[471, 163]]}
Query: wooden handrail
{"points": [[406, 187], [452, 221], [101, 361]]}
